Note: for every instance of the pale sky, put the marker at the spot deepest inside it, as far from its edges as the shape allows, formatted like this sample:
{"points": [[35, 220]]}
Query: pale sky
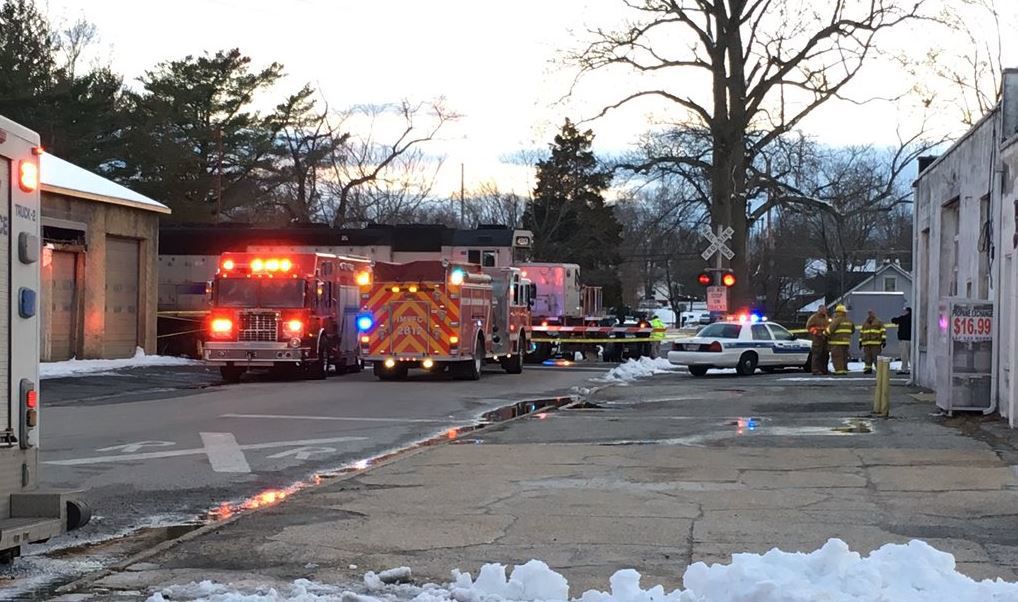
{"points": [[497, 63]]}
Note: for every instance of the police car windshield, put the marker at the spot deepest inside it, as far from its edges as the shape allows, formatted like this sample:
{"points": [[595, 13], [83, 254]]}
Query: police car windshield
{"points": [[250, 292], [721, 331]]}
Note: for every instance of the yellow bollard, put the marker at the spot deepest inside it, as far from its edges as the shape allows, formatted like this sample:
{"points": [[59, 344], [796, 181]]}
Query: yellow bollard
{"points": [[882, 391]]}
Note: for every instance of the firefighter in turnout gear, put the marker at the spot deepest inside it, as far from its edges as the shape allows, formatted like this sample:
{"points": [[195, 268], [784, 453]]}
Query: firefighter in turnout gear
{"points": [[817, 327], [839, 333], [872, 338]]}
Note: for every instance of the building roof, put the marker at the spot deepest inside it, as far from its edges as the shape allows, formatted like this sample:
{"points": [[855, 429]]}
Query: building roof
{"points": [[812, 306], [62, 177], [213, 239], [880, 272]]}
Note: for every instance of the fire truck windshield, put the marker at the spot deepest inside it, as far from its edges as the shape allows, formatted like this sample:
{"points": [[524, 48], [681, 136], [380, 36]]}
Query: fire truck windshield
{"points": [[259, 292]]}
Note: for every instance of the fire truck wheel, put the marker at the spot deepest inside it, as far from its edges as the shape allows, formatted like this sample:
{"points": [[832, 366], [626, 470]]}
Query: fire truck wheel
{"points": [[471, 370], [231, 374], [319, 370], [514, 363]]}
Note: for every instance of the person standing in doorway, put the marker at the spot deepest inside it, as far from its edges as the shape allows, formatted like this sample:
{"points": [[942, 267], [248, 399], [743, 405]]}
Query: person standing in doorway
{"points": [[904, 324], [819, 353], [839, 333]]}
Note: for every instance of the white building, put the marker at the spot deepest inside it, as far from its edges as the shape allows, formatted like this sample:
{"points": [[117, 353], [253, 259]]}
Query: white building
{"points": [[964, 247]]}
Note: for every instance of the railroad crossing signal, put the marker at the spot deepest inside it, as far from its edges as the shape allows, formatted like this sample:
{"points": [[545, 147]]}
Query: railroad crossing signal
{"points": [[716, 277], [717, 242]]}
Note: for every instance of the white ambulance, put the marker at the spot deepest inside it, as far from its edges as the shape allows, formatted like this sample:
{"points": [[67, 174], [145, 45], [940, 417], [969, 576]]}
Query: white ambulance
{"points": [[27, 513]]}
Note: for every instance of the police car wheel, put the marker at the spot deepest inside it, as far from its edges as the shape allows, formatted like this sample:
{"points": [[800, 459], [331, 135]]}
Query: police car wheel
{"points": [[698, 370], [747, 364]]}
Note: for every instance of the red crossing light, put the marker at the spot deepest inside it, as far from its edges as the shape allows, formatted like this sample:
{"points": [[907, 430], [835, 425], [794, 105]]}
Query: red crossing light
{"points": [[728, 279], [705, 279]]}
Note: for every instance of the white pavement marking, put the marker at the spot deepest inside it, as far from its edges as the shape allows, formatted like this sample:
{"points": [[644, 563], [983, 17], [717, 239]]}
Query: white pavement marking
{"points": [[342, 418], [130, 448], [224, 453], [195, 452], [303, 453]]}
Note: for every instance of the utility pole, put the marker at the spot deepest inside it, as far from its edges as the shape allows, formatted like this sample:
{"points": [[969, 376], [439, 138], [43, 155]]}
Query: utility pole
{"points": [[462, 197]]}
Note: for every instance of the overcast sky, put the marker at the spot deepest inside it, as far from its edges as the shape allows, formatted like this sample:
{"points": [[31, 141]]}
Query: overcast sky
{"points": [[497, 63]]}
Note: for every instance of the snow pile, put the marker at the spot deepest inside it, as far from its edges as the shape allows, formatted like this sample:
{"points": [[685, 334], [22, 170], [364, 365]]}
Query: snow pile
{"points": [[632, 370], [913, 572], [77, 367]]}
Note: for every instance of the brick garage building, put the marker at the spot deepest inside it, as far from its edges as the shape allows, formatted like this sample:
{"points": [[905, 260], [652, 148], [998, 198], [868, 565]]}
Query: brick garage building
{"points": [[99, 280]]}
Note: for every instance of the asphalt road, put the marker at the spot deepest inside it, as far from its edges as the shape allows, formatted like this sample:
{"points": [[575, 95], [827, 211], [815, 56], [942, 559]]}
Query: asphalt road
{"points": [[146, 462]]}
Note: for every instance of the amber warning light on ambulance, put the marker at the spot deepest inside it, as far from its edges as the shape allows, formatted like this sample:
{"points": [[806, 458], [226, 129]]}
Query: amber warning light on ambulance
{"points": [[28, 176]]}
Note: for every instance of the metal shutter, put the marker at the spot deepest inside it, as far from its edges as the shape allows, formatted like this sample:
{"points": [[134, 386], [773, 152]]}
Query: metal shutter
{"points": [[61, 306], [121, 325]]}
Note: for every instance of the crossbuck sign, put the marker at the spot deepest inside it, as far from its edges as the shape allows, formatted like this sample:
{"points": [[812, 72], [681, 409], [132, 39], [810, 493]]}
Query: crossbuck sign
{"points": [[717, 242]]}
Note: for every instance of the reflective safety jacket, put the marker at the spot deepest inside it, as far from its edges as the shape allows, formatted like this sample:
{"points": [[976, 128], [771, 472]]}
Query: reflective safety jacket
{"points": [[817, 324], [840, 330], [659, 329], [872, 332]]}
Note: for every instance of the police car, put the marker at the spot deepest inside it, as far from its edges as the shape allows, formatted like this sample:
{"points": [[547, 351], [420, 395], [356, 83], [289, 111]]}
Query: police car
{"points": [[744, 343]]}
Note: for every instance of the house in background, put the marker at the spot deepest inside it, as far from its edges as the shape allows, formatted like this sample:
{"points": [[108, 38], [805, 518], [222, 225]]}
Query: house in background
{"points": [[99, 283], [890, 279]]}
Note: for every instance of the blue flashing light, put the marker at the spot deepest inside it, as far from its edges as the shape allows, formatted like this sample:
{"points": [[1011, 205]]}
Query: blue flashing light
{"points": [[364, 323], [754, 318]]}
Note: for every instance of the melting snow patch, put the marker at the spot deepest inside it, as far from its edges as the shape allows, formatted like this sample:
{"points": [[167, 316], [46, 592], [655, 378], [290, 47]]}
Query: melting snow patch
{"points": [[77, 367], [635, 369], [913, 572]]}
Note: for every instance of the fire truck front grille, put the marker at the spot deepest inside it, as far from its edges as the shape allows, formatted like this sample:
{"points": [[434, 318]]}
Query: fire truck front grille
{"points": [[260, 326]]}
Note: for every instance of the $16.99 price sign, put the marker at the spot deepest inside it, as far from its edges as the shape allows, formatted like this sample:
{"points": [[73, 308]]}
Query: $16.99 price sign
{"points": [[972, 328]]}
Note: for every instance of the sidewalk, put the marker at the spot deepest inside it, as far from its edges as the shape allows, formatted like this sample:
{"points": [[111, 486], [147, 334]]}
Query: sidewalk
{"points": [[665, 472]]}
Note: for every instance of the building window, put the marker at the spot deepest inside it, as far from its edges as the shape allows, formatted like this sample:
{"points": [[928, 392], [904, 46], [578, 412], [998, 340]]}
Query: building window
{"points": [[486, 258], [949, 249], [890, 285]]}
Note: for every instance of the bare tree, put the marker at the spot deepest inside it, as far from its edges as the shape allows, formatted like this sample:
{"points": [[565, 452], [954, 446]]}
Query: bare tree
{"points": [[967, 62], [769, 64], [400, 196], [363, 159], [304, 148], [72, 41]]}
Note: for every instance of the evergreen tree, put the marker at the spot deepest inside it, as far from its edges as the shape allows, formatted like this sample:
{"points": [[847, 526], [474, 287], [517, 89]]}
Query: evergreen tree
{"points": [[27, 60], [194, 141], [77, 117], [568, 215]]}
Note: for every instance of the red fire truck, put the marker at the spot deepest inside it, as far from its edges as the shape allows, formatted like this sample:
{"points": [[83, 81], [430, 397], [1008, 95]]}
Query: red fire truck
{"points": [[285, 311], [437, 315]]}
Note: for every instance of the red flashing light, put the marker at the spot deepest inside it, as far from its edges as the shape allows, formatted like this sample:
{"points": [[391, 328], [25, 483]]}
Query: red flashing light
{"points": [[294, 326], [228, 265], [221, 326], [728, 279], [705, 279], [32, 399]]}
